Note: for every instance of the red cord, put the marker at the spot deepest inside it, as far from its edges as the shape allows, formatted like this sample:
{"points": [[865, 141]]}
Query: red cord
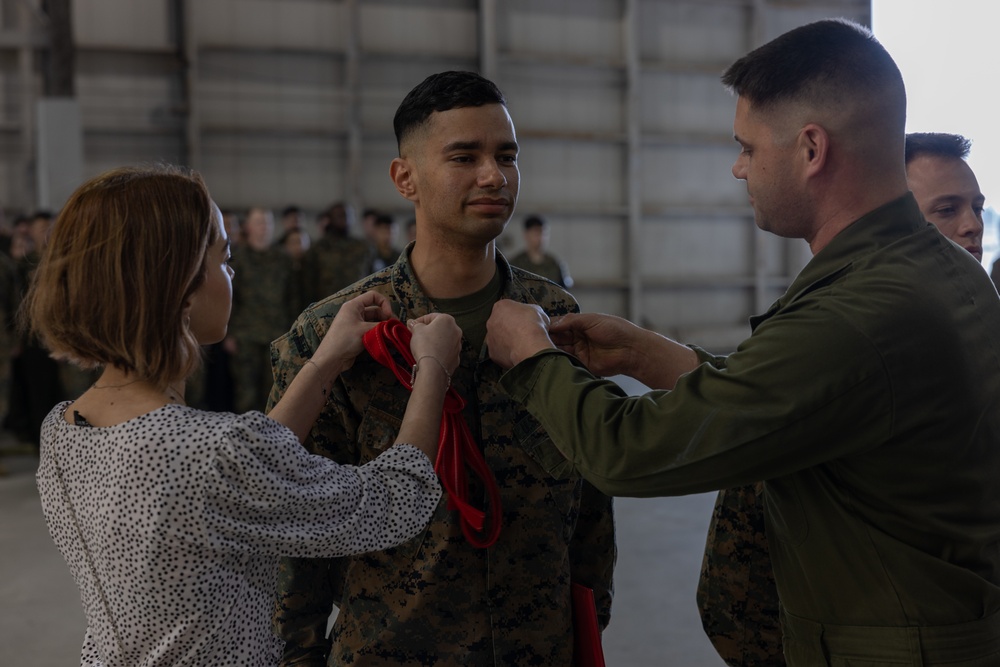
{"points": [[456, 448]]}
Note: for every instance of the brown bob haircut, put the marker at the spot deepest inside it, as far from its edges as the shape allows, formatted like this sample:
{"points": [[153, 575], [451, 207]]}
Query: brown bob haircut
{"points": [[125, 255]]}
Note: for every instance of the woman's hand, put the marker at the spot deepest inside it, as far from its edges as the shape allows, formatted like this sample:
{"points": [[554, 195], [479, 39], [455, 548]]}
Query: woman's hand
{"points": [[436, 335], [342, 342]]}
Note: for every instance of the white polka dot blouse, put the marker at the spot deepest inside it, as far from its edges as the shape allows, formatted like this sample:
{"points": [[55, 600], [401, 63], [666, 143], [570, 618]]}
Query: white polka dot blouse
{"points": [[172, 524]]}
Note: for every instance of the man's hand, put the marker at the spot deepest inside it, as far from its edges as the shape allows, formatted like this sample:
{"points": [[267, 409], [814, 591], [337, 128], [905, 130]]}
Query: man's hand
{"points": [[609, 345], [605, 344], [516, 331]]}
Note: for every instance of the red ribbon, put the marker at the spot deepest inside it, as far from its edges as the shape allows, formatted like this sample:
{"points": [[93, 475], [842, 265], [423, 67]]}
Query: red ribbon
{"points": [[456, 448]]}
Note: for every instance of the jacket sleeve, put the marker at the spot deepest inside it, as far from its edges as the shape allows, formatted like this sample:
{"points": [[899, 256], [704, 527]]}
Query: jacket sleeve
{"points": [[725, 423], [592, 549]]}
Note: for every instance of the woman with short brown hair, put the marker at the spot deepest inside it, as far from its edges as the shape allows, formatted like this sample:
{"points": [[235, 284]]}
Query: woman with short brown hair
{"points": [[172, 519]]}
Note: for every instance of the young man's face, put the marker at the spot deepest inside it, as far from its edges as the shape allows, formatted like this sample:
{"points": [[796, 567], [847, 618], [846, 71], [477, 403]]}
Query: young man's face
{"points": [[949, 197], [463, 174]]}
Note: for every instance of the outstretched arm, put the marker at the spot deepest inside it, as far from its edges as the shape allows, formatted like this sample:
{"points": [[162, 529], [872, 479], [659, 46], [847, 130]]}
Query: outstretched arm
{"points": [[605, 344], [609, 345]]}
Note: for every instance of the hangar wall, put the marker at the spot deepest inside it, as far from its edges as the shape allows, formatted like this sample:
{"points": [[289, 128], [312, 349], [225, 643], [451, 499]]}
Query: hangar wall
{"points": [[626, 132]]}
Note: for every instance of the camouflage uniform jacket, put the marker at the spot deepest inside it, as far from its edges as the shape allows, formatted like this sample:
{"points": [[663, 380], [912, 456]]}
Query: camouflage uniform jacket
{"points": [[737, 597], [331, 264], [263, 294], [436, 599], [551, 267]]}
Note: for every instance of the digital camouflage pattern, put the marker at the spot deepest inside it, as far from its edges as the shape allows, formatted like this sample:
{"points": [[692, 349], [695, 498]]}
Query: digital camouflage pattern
{"points": [[551, 267], [262, 294], [10, 301], [737, 597], [263, 298], [331, 264], [436, 599]]}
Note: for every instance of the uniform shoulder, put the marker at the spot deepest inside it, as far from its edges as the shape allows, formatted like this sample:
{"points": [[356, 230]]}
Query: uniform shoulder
{"points": [[547, 294], [379, 282]]}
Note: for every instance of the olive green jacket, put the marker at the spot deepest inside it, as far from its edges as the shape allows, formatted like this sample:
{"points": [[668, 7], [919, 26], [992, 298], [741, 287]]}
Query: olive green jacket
{"points": [[436, 599], [868, 399]]}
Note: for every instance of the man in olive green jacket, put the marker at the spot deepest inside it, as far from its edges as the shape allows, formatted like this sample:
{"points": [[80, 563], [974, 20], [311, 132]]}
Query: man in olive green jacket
{"points": [[867, 397]]}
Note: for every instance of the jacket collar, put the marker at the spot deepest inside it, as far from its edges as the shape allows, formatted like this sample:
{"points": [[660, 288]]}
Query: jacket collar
{"points": [[871, 232], [411, 301]]}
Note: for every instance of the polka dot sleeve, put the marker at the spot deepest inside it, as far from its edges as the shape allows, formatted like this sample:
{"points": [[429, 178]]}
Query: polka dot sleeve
{"points": [[265, 493]]}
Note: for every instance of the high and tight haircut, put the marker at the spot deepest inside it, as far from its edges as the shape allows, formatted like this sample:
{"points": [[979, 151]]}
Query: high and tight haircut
{"points": [[820, 62], [125, 256], [442, 92], [936, 144]]}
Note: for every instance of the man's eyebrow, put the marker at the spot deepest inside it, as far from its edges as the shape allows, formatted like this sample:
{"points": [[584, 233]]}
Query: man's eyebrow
{"points": [[476, 146], [947, 198], [462, 146]]}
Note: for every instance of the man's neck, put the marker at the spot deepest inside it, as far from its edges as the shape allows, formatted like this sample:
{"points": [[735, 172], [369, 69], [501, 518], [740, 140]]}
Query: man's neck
{"points": [[450, 272], [844, 205]]}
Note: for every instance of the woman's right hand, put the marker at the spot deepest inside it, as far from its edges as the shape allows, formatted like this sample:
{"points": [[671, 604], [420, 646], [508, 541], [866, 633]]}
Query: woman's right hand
{"points": [[342, 342], [436, 335]]}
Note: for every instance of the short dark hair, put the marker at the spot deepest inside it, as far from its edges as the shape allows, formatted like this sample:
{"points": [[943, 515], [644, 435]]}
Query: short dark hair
{"points": [[442, 92], [825, 61], [533, 221], [383, 220], [937, 144], [290, 209]]}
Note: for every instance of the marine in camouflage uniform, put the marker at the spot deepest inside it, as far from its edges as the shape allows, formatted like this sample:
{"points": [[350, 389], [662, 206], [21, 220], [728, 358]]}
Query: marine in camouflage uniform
{"points": [[10, 300], [550, 267], [332, 263], [436, 599], [737, 596], [536, 258], [263, 304]]}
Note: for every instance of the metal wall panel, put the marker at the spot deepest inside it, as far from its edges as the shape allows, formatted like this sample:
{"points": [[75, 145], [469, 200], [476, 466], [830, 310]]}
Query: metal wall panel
{"points": [[626, 132], [123, 24], [267, 25], [273, 171]]}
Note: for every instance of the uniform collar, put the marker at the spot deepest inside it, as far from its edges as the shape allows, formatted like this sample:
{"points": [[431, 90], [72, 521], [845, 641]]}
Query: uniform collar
{"points": [[411, 300], [871, 232]]}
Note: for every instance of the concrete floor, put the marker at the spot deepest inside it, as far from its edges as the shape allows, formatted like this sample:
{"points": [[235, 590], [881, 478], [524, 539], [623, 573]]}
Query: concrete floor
{"points": [[654, 621]]}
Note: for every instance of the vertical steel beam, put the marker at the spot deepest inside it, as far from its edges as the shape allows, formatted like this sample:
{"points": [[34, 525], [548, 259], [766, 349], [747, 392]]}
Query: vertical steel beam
{"points": [[187, 53], [633, 159], [29, 101], [352, 98], [488, 39]]}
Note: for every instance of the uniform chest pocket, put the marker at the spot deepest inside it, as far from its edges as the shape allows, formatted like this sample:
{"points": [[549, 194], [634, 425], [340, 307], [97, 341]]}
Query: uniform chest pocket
{"points": [[380, 423]]}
